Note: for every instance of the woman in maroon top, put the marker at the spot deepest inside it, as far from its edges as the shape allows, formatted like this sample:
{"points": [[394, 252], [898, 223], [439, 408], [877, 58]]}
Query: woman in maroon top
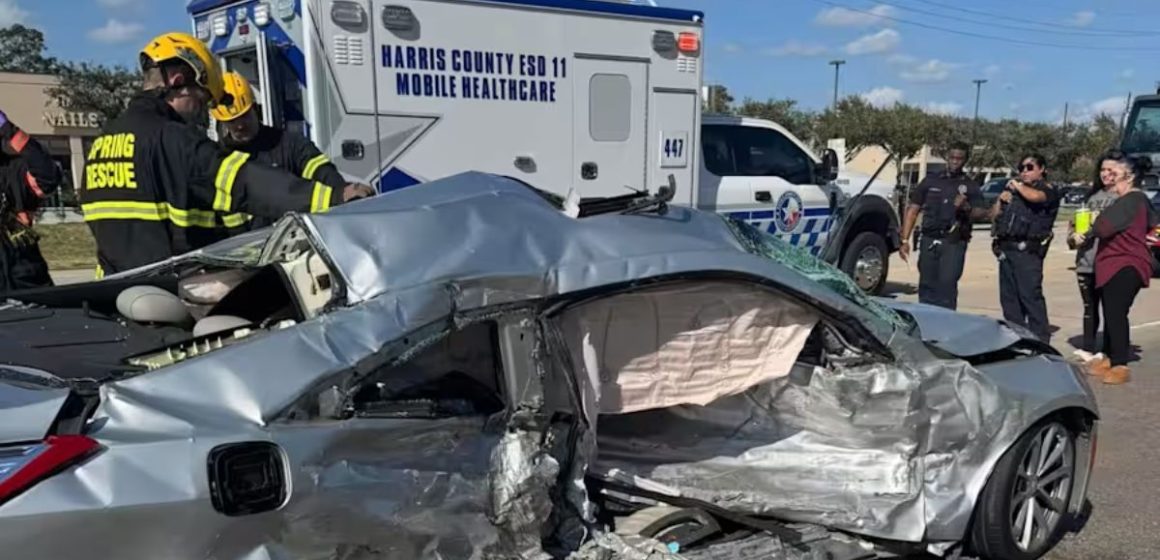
{"points": [[1123, 262]]}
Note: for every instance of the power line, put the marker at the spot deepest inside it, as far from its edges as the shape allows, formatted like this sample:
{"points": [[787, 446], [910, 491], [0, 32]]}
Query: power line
{"points": [[1056, 29], [991, 37], [1093, 30]]}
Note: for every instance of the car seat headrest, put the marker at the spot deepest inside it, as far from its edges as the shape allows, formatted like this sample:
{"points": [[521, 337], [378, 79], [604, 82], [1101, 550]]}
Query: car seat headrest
{"points": [[219, 323], [150, 304]]}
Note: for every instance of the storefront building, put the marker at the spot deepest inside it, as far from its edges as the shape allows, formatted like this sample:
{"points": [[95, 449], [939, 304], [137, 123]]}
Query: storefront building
{"points": [[66, 134]]}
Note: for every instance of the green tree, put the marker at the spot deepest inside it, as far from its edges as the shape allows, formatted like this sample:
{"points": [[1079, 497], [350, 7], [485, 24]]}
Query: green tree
{"points": [[901, 130], [785, 112], [94, 87], [22, 50], [719, 101]]}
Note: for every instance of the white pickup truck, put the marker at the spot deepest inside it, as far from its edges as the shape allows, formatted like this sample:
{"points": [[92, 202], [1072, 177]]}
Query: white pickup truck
{"points": [[758, 171]]}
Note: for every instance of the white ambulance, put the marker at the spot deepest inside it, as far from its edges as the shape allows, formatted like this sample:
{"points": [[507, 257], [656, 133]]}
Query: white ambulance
{"points": [[597, 96]]}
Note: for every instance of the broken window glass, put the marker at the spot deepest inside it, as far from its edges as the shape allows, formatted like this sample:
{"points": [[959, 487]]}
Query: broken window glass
{"points": [[760, 243]]}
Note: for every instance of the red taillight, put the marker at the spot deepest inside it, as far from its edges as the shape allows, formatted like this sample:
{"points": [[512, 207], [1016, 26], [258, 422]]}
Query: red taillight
{"points": [[24, 465], [688, 42]]}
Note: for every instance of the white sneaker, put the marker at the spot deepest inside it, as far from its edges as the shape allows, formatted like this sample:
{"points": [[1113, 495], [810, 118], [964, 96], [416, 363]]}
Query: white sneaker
{"points": [[1084, 356]]}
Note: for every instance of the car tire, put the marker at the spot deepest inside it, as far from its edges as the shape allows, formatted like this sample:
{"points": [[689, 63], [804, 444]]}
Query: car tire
{"points": [[867, 261], [1018, 493]]}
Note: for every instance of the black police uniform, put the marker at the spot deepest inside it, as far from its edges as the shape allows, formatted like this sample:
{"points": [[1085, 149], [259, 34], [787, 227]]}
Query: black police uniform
{"points": [[1022, 234], [27, 176], [292, 152], [945, 232], [156, 187]]}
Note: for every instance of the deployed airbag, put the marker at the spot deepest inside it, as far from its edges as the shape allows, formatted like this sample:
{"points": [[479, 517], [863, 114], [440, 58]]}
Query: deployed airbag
{"points": [[686, 344]]}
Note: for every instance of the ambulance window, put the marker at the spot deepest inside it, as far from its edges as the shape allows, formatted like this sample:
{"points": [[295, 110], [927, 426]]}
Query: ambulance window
{"points": [[609, 107]]}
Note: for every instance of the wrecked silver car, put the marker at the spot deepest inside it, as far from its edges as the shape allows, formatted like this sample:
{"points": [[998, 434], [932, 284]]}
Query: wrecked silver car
{"points": [[472, 369]]}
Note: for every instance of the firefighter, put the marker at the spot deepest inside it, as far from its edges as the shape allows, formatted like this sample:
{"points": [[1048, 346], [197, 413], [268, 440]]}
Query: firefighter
{"points": [[27, 176], [155, 186], [240, 128]]}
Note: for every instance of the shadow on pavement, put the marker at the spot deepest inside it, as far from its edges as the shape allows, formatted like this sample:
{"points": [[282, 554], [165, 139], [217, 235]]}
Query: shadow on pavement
{"points": [[895, 289]]}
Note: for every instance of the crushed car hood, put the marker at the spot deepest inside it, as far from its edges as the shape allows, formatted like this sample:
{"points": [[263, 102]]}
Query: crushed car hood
{"points": [[29, 404], [961, 334]]}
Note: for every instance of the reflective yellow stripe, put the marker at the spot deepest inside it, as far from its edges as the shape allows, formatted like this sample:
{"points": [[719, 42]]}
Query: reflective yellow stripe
{"points": [[320, 202], [236, 220], [148, 211], [312, 166], [224, 183], [100, 273]]}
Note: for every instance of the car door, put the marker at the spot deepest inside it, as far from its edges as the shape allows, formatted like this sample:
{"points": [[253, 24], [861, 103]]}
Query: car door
{"points": [[761, 176]]}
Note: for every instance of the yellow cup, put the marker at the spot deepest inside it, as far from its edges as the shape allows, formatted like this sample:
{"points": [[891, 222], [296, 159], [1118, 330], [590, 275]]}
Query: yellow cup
{"points": [[1083, 220]]}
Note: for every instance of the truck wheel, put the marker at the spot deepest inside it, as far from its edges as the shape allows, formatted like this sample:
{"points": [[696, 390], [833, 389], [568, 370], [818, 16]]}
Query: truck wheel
{"points": [[867, 261], [1023, 511]]}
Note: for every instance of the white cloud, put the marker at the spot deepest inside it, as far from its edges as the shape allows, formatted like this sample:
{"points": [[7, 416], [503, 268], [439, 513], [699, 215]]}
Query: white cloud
{"points": [[11, 13], [880, 42], [116, 31], [1112, 106], [900, 58], [882, 96], [732, 48], [844, 17], [1079, 113], [1128, 74], [1083, 19], [943, 107], [795, 48], [931, 71], [992, 70]]}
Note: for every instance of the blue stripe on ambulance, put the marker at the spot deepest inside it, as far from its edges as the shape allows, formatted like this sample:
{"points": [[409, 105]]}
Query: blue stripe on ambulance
{"points": [[394, 179]]}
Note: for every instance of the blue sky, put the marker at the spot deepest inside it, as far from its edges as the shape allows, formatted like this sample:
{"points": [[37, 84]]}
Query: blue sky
{"points": [[781, 48]]}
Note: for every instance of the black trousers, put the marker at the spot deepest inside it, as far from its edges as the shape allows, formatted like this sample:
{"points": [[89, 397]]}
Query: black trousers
{"points": [[22, 267], [940, 266], [1021, 291], [1091, 310], [1116, 298]]}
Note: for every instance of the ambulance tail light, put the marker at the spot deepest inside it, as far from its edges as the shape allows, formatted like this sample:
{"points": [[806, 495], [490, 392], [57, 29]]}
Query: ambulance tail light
{"points": [[688, 42], [22, 466], [220, 25], [262, 14], [345, 13]]}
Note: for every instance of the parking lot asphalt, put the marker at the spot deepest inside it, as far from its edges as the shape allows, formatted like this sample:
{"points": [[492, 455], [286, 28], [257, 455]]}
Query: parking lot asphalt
{"points": [[1124, 521]]}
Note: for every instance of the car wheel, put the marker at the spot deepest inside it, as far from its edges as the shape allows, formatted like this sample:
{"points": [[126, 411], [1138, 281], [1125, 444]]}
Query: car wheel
{"points": [[867, 261], [1022, 512]]}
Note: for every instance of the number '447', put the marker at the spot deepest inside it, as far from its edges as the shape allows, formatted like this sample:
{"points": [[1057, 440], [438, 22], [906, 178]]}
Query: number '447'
{"points": [[674, 147]]}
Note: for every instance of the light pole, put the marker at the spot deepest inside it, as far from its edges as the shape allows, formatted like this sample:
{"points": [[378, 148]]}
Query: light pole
{"points": [[836, 64]]}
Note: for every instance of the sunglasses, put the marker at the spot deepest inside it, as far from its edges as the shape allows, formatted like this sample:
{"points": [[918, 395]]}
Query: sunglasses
{"points": [[1027, 167]]}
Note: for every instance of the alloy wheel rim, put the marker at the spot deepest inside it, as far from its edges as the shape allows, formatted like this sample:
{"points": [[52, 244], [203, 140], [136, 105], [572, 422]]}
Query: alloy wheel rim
{"points": [[1039, 499], [868, 268]]}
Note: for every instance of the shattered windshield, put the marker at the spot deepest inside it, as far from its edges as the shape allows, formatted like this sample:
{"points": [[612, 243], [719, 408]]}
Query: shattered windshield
{"points": [[245, 249], [760, 243]]}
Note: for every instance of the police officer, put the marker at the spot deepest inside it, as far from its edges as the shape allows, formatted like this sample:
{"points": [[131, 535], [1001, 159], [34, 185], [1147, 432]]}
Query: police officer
{"points": [[240, 128], [949, 202], [27, 176], [156, 186], [1024, 217]]}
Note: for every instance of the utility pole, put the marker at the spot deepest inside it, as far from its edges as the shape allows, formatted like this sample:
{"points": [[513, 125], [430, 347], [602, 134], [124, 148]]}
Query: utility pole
{"points": [[978, 91], [1124, 115], [975, 126], [836, 64], [1065, 107]]}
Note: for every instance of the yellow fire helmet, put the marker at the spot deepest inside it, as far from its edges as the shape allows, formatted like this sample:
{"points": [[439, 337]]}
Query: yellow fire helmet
{"points": [[187, 49], [239, 89]]}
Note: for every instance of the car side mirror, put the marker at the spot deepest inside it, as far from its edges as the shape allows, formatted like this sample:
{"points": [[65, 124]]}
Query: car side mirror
{"points": [[828, 169]]}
